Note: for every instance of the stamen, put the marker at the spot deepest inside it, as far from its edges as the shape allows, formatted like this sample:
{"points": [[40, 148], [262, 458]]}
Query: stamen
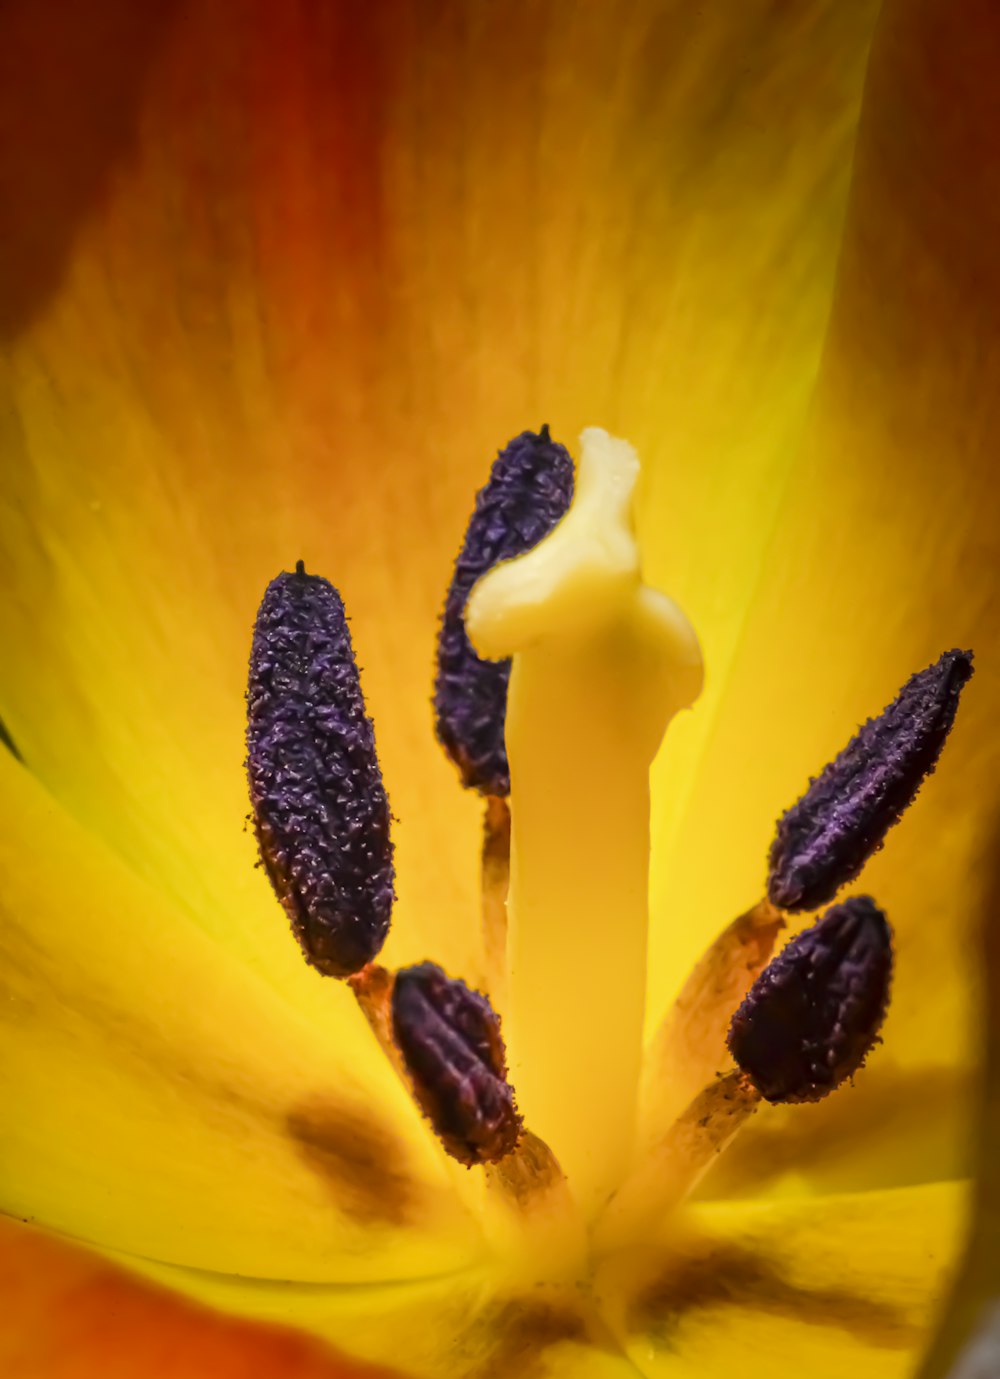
{"points": [[689, 1047], [808, 1023], [813, 1015], [529, 1213], [494, 884], [454, 1054], [533, 1222], [529, 489], [320, 809], [825, 839], [675, 1164], [372, 988]]}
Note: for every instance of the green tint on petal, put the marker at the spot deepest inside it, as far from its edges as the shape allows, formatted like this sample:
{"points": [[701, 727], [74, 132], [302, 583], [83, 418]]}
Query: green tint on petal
{"points": [[159, 1098], [936, 345]]}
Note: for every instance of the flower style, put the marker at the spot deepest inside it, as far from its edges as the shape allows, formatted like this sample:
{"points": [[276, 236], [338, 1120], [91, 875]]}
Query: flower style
{"points": [[277, 282]]}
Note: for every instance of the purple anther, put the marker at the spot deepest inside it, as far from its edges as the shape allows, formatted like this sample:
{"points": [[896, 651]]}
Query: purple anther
{"points": [[814, 1013], [320, 809], [451, 1044], [826, 838], [529, 489]]}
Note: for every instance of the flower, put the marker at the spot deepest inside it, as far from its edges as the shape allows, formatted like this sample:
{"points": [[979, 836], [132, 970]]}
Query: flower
{"points": [[277, 280]]}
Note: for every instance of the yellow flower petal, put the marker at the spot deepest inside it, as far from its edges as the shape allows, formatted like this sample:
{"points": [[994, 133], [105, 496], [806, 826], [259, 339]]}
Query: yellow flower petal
{"points": [[892, 1127], [341, 261], [883, 555], [448, 1328], [159, 1098], [840, 1285]]}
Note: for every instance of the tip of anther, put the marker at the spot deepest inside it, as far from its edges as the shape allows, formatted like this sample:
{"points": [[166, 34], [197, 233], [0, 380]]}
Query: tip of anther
{"points": [[453, 1050], [825, 839], [320, 810], [813, 1015], [543, 432], [300, 567], [529, 490]]}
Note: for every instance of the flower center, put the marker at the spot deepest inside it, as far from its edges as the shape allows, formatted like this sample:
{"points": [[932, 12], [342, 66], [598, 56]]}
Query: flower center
{"points": [[559, 671]]}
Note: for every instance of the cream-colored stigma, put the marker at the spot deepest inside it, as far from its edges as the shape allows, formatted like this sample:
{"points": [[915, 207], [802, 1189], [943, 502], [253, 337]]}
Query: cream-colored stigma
{"points": [[584, 572], [601, 663]]}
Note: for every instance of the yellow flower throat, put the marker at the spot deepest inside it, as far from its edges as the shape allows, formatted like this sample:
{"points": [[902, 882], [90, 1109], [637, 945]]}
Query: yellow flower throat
{"points": [[605, 1138]]}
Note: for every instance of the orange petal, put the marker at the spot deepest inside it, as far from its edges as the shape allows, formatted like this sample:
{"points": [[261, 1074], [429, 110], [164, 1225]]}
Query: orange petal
{"points": [[282, 280], [70, 1315]]}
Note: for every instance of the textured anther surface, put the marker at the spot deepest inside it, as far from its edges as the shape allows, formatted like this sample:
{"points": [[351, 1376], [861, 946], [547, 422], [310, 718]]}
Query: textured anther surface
{"points": [[812, 1016], [529, 489], [826, 838], [451, 1044], [320, 809]]}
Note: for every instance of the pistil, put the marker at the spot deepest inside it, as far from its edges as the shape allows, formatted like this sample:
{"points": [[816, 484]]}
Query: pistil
{"points": [[601, 663]]}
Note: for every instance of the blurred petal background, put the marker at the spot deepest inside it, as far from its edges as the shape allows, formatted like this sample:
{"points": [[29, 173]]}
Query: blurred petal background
{"points": [[276, 282]]}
